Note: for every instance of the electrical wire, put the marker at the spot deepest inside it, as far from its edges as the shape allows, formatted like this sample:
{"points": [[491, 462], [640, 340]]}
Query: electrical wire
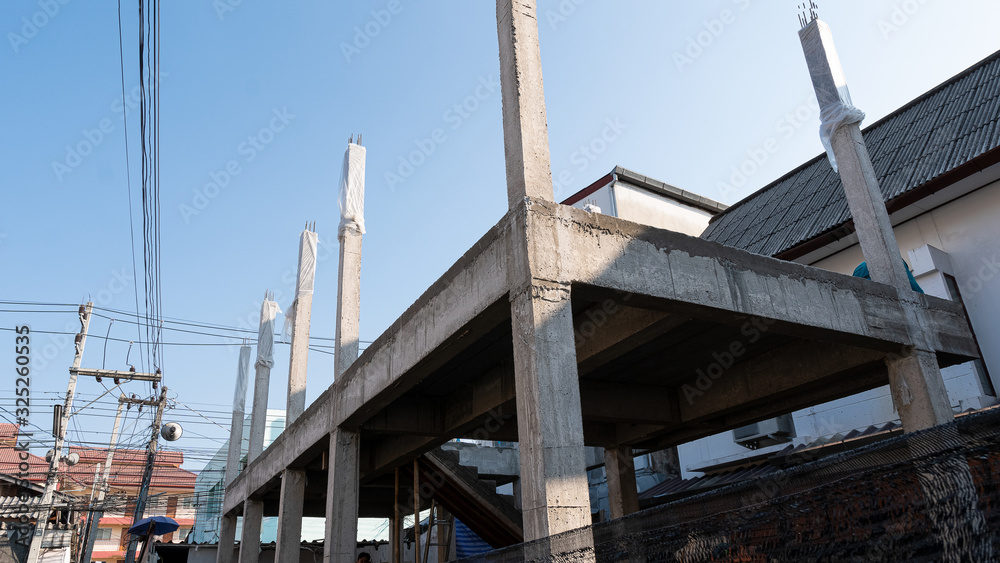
{"points": [[128, 173]]}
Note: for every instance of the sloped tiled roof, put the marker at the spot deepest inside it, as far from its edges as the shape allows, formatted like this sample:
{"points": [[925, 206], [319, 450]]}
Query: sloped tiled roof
{"points": [[128, 467], [10, 458], [126, 470], [913, 149]]}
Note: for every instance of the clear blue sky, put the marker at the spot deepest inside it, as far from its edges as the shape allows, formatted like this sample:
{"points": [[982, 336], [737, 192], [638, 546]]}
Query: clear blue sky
{"points": [[686, 113]]}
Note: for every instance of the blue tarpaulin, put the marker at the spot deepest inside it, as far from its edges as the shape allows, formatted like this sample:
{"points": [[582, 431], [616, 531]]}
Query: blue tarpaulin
{"points": [[467, 543], [862, 272]]}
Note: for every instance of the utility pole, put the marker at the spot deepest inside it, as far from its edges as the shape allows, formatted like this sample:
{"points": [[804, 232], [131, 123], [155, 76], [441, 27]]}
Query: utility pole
{"points": [[34, 552], [147, 476], [94, 520]]}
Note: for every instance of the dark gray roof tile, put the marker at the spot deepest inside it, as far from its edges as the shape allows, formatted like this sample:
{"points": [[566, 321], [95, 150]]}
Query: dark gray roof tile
{"points": [[945, 128]]}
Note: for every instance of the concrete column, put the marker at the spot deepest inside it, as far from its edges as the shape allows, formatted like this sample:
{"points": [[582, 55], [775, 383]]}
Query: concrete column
{"points": [[227, 525], [918, 389], [253, 513], [227, 540], [235, 452], [525, 129], [342, 497], [300, 314], [253, 510], [345, 446], [348, 301], [554, 492], [265, 360], [293, 492], [623, 493]]}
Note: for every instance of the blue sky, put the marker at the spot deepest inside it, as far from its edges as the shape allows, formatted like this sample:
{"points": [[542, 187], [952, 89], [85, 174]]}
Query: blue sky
{"points": [[688, 92]]}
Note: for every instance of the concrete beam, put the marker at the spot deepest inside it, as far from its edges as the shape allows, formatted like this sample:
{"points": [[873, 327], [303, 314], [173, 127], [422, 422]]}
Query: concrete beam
{"points": [[525, 130], [623, 402], [297, 444], [779, 372], [431, 332], [461, 414], [780, 381], [707, 280], [610, 329]]}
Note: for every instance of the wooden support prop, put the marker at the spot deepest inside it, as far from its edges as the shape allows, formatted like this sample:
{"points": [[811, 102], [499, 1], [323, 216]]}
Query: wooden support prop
{"points": [[416, 511]]}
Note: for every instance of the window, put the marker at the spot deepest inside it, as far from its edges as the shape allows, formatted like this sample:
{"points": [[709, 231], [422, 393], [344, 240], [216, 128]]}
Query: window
{"points": [[977, 365], [103, 534]]}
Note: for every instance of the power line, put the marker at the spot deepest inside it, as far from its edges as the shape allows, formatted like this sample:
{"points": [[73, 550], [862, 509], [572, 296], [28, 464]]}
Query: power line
{"points": [[185, 322]]}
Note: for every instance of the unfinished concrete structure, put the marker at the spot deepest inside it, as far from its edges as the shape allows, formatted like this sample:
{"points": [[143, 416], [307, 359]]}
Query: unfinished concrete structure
{"points": [[562, 328]]}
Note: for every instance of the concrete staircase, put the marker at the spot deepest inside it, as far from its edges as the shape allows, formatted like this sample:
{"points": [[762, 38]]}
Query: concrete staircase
{"points": [[471, 499]]}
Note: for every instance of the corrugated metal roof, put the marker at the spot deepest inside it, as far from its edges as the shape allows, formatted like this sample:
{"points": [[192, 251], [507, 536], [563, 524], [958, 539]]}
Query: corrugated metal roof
{"points": [[938, 132], [771, 463]]}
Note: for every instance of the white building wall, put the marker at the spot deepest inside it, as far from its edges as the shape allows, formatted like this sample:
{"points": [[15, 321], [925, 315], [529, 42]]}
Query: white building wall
{"points": [[639, 205], [642, 206], [968, 231]]}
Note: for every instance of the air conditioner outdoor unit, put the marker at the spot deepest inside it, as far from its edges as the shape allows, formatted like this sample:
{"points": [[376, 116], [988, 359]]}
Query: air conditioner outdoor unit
{"points": [[765, 433]]}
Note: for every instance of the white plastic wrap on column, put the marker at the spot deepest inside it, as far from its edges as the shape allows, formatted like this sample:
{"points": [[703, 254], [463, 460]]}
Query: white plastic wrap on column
{"points": [[352, 190], [829, 82], [306, 281], [265, 338], [307, 262], [242, 380]]}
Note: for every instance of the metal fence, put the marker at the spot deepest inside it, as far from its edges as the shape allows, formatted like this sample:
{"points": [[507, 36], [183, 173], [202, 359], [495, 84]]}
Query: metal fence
{"points": [[13, 546], [927, 496]]}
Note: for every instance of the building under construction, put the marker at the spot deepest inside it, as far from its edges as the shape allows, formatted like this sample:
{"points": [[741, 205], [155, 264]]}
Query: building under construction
{"points": [[563, 328]]}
